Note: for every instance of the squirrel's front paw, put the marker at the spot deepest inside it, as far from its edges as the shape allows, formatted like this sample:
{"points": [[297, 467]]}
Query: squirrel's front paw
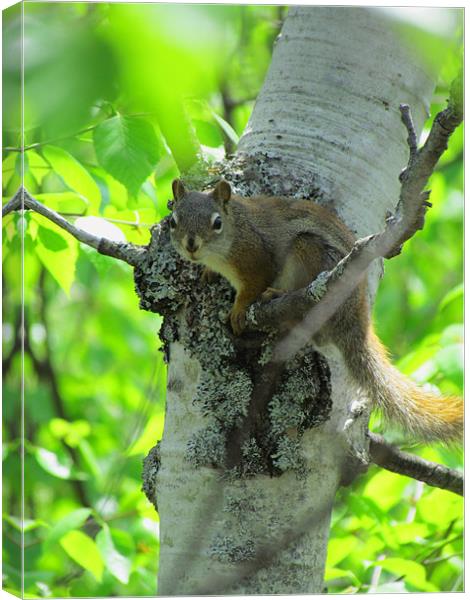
{"points": [[271, 293], [237, 320]]}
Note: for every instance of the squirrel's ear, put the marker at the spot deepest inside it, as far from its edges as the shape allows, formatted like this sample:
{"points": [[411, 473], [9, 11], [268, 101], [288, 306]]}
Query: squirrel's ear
{"points": [[222, 191], [178, 189]]}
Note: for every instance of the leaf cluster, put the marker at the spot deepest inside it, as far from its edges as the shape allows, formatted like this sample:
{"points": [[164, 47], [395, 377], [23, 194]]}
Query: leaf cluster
{"points": [[119, 99]]}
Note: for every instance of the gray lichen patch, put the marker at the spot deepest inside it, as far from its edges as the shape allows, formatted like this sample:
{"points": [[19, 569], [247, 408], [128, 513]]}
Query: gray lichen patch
{"points": [[317, 289], [163, 277], [266, 350], [254, 461], [224, 394], [149, 474], [196, 177], [289, 455], [205, 332], [265, 173], [207, 447], [303, 399], [227, 549], [239, 503]]}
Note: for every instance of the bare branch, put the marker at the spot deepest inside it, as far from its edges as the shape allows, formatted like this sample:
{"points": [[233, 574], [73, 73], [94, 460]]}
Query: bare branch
{"points": [[129, 253], [316, 303], [388, 457], [412, 138]]}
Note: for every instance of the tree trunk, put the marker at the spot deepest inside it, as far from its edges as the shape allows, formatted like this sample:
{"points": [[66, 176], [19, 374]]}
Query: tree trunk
{"points": [[326, 126]]}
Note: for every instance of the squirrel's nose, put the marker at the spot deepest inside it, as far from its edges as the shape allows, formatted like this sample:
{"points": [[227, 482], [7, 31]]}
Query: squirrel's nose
{"points": [[191, 244]]}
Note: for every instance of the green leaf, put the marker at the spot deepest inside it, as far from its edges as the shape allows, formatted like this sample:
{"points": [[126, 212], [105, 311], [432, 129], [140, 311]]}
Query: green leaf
{"points": [[59, 427], [440, 508], [207, 133], [454, 295], [8, 169], [407, 533], [227, 128], [73, 520], [24, 524], [128, 149], [60, 262], [153, 431], [340, 548], [333, 573], [83, 550], [414, 573], [89, 461], [385, 489], [36, 165], [71, 432], [112, 192], [415, 359], [64, 202], [60, 467], [51, 239], [116, 563], [450, 362], [74, 174]]}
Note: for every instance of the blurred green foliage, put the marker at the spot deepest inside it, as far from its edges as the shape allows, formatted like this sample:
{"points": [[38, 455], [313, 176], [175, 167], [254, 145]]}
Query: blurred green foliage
{"points": [[118, 99]]}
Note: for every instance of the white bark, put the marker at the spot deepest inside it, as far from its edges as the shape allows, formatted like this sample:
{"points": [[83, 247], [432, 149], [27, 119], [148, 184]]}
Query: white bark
{"points": [[326, 120], [329, 109]]}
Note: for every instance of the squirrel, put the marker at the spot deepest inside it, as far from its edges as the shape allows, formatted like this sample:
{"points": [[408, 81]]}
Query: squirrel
{"points": [[265, 246]]}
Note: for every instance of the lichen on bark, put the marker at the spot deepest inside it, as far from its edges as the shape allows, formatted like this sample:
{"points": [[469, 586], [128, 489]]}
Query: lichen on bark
{"points": [[195, 315]]}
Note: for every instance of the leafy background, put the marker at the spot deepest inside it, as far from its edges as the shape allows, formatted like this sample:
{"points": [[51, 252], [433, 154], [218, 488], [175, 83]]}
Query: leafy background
{"points": [[118, 100]]}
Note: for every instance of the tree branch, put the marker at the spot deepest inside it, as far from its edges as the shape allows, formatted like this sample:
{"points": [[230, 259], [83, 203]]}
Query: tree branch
{"points": [[316, 303], [129, 253], [388, 457]]}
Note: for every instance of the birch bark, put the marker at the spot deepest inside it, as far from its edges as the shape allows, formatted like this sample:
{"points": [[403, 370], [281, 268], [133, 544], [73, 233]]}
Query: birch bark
{"points": [[326, 125]]}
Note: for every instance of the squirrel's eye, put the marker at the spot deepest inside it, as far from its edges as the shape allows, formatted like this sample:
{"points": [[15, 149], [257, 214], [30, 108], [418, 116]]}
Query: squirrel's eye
{"points": [[217, 223], [172, 222]]}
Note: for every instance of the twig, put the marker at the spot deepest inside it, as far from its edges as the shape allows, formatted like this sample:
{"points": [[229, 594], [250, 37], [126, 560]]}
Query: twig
{"points": [[388, 457], [129, 253], [316, 303], [135, 223], [412, 137], [376, 573]]}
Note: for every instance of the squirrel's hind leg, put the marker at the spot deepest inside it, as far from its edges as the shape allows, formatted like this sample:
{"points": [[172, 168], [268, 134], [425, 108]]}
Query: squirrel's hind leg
{"points": [[302, 264]]}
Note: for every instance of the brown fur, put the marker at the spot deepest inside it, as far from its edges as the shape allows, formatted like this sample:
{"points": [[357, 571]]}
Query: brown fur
{"points": [[270, 245]]}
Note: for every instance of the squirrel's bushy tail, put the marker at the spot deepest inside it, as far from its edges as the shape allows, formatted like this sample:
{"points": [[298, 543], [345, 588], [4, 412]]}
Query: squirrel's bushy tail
{"points": [[426, 416]]}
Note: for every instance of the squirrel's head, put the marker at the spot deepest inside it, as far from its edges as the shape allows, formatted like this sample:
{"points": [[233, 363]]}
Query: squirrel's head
{"points": [[199, 221]]}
